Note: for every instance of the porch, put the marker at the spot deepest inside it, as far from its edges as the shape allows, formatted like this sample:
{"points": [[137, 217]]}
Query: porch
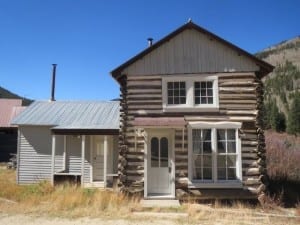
{"points": [[89, 159]]}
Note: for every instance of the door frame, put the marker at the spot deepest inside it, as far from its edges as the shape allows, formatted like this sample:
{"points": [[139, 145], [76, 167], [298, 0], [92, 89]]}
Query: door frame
{"points": [[149, 133], [107, 144]]}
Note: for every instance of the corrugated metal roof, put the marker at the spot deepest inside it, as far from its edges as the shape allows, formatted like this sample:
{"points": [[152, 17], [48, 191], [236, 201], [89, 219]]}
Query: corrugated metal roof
{"points": [[9, 108], [71, 114]]}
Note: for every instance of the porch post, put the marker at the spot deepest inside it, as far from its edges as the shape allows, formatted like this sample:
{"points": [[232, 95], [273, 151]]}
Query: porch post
{"points": [[82, 159], [53, 159], [105, 160], [65, 153]]}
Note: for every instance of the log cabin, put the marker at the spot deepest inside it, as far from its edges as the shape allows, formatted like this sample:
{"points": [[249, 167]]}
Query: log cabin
{"points": [[191, 119]]}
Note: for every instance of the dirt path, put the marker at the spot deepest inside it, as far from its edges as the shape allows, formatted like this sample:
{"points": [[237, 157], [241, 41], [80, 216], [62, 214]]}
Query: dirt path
{"points": [[6, 219]]}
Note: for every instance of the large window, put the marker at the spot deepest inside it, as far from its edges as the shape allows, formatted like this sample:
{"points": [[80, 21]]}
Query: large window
{"points": [[214, 155], [189, 93]]}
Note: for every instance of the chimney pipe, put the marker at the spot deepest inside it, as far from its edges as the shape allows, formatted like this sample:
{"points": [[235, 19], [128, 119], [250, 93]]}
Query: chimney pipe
{"points": [[53, 82], [150, 40]]}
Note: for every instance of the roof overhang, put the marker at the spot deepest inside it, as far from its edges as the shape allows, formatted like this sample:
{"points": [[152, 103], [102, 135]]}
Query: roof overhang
{"points": [[63, 131], [159, 122]]}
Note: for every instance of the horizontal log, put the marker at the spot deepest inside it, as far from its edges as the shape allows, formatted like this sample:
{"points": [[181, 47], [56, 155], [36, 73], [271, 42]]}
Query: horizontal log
{"points": [[237, 96], [237, 83], [150, 91]]}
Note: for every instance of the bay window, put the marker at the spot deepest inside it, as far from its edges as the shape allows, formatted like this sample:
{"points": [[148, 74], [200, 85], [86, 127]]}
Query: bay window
{"points": [[214, 154]]}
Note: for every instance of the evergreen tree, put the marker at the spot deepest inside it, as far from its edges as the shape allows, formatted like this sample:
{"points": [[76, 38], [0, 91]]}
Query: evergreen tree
{"points": [[294, 116]]}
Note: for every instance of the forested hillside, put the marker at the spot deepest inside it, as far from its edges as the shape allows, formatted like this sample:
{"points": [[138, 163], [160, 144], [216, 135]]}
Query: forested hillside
{"points": [[282, 86]]}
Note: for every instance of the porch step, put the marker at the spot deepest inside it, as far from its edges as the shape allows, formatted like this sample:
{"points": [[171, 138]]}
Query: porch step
{"points": [[148, 203]]}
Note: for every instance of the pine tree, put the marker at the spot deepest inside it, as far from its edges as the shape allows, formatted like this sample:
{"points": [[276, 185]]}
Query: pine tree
{"points": [[294, 116]]}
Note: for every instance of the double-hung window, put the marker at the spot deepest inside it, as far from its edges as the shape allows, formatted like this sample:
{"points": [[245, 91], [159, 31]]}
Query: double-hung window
{"points": [[190, 93], [214, 155]]}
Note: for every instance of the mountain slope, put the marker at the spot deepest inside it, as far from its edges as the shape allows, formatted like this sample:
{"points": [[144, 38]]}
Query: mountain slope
{"points": [[282, 86], [4, 93]]}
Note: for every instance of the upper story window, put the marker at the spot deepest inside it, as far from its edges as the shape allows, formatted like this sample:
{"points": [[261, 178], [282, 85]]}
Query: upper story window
{"points": [[190, 93], [203, 92], [176, 93]]}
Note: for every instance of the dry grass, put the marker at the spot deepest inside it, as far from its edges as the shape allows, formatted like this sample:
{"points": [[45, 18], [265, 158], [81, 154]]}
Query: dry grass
{"points": [[71, 201], [63, 200], [239, 213]]}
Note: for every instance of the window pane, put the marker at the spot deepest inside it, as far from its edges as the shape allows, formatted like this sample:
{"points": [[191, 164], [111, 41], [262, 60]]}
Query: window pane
{"points": [[170, 93], [231, 173], [207, 161], [231, 161], [176, 100], [176, 85], [207, 135], [230, 134], [197, 93], [203, 92], [170, 100], [221, 161], [231, 147], [197, 85], [221, 173], [203, 85], [176, 93], [182, 100], [210, 100], [203, 100], [207, 173], [209, 84], [170, 85], [209, 92], [197, 100], [182, 92], [221, 146], [197, 174], [220, 134], [182, 85], [154, 152], [197, 161], [207, 147], [164, 152]]}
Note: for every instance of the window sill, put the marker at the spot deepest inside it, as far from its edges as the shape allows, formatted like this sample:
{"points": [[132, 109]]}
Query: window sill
{"points": [[191, 109], [225, 184]]}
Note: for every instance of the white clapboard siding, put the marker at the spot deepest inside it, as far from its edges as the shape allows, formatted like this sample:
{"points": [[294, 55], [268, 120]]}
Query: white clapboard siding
{"points": [[35, 155], [190, 52]]}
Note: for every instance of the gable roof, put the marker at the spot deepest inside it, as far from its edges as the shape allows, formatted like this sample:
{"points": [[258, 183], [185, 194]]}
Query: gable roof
{"points": [[9, 108], [68, 115], [265, 67]]}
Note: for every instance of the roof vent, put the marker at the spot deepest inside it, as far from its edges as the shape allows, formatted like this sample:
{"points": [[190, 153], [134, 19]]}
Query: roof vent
{"points": [[150, 42]]}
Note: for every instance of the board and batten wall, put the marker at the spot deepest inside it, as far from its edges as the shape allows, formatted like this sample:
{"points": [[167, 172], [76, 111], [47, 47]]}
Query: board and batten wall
{"points": [[240, 100], [34, 154], [191, 52]]}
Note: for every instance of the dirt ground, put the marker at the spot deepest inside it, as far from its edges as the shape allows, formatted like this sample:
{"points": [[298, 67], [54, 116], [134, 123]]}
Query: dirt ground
{"points": [[7, 219]]}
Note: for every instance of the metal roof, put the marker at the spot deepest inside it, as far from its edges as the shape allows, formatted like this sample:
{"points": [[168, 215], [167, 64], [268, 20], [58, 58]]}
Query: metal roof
{"points": [[71, 114], [9, 108]]}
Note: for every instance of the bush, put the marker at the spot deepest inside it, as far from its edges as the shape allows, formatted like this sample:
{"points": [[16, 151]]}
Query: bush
{"points": [[283, 167]]}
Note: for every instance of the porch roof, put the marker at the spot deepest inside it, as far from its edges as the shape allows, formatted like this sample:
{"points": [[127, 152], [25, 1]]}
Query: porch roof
{"points": [[71, 115], [159, 122]]}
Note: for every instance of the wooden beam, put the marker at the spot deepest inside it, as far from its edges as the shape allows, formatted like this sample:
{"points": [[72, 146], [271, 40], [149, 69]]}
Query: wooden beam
{"points": [[105, 161], [82, 159]]}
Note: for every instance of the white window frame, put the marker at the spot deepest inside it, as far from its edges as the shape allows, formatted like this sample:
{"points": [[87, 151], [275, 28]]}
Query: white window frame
{"points": [[190, 94], [214, 183]]}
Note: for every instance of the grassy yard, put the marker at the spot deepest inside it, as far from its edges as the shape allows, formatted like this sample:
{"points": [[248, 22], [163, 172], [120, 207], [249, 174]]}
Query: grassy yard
{"points": [[69, 201]]}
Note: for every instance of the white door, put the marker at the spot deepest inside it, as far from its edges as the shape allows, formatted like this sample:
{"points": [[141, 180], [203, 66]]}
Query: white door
{"points": [[98, 158], [159, 164]]}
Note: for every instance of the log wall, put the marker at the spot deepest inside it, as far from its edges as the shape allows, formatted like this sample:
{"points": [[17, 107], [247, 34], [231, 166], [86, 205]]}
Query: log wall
{"points": [[240, 100]]}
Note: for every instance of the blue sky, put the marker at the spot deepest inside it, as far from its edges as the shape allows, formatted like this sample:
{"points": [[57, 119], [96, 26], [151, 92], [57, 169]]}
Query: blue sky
{"points": [[89, 38]]}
